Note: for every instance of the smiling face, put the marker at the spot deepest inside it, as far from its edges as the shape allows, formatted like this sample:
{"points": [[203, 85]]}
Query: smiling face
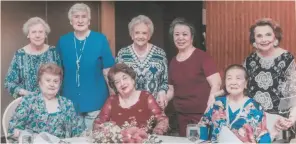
{"points": [[49, 85], [140, 34], [124, 83], [182, 37], [37, 34], [235, 81], [80, 21], [264, 38]]}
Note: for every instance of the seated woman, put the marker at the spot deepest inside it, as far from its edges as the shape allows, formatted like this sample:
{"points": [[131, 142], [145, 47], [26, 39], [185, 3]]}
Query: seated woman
{"points": [[46, 111], [236, 111], [130, 106]]}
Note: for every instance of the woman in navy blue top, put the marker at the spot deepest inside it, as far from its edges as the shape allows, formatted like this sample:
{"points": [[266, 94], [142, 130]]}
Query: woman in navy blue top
{"points": [[86, 58]]}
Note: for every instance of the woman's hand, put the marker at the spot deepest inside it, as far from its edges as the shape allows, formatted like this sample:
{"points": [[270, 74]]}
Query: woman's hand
{"points": [[24, 92], [284, 123], [158, 131], [212, 97], [162, 99]]}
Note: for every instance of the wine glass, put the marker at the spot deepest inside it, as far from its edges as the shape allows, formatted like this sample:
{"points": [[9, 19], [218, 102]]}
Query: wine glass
{"points": [[192, 132]]}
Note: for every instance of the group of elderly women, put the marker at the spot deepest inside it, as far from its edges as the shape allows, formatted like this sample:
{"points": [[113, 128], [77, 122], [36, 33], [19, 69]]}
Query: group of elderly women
{"points": [[141, 84]]}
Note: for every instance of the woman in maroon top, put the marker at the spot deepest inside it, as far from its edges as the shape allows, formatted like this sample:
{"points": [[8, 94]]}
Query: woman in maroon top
{"points": [[130, 106], [193, 76]]}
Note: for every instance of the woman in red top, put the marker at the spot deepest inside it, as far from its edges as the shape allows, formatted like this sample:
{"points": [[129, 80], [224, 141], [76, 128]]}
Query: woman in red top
{"points": [[193, 76], [130, 106]]}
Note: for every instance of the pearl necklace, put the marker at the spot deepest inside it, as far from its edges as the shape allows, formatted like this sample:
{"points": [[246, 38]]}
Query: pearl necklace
{"points": [[139, 55]]}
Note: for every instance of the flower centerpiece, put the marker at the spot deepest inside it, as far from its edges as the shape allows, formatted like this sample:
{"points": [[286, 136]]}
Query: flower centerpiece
{"points": [[109, 132]]}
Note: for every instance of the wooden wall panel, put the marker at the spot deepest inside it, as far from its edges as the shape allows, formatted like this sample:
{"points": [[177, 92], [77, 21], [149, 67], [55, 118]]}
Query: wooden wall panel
{"points": [[228, 24], [107, 22]]}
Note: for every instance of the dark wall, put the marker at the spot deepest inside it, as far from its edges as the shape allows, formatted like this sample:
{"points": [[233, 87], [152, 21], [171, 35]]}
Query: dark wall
{"points": [[161, 14], [57, 18], [125, 11]]}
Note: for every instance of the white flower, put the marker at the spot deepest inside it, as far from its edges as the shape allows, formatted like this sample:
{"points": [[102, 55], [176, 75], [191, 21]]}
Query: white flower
{"points": [[264, 100], [252, 64], [264, 80], [282, 64], [266, 63]]}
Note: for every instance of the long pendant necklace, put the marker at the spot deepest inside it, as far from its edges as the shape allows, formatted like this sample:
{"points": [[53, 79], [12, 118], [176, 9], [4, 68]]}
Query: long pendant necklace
{"points": [[78, 58]]}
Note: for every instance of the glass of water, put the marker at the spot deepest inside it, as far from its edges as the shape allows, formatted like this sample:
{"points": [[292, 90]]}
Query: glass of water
{"points": [[192, 132]]}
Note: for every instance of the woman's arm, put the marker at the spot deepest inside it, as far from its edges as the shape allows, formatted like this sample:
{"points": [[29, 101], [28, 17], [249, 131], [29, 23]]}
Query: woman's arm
{"points": [[13, 80], [170, 93], [75, 121], [163, 85], [107, 60], [262, 134], [105, 113], [290, 91], [215, 82], [162, 122], [20, 117]]}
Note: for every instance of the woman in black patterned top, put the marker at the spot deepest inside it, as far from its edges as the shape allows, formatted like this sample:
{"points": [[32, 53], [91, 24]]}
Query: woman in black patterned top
{"points": [[272, 71]]}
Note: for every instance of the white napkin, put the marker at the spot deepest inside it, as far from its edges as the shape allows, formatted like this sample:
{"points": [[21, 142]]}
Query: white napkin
{"points": [[45, 138], [227, 136]]}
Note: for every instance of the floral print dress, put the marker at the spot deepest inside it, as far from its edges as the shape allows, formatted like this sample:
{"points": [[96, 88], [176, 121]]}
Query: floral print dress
{"points": [[31, 115], [250, 126], [22, 73], [271, 79], [152, 73], [142, 114]]}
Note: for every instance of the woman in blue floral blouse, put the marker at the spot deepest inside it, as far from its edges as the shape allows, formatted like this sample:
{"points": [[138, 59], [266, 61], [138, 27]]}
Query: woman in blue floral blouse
{"points": [[46, 111], [21, 78], [242, 115]]}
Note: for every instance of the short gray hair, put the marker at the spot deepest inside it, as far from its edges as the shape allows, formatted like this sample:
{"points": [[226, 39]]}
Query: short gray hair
{"points": [[34, 21], [79, 7], [141, 19]]}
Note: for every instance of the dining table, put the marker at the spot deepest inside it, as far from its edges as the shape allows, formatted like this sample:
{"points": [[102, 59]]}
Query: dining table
{"points": [[165, 139]]}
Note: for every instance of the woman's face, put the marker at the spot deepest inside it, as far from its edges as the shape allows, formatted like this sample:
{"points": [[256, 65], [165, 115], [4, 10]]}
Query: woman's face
{"points": [[80, 21], [182, 37], [124, 83], [140, 34], [49, 85], [235, 81], [37, 34], [264, 38]]}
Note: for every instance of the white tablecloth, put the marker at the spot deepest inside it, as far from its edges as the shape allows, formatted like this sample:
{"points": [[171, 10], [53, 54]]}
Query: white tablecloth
{"points": [[165, 139], [171, 139]]}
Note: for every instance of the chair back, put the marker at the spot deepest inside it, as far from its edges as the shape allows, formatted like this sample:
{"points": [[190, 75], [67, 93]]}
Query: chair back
{"points": [[8, 113]]}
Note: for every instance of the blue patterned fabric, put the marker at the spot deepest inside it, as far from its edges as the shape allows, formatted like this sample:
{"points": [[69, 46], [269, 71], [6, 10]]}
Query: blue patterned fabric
{"points": [[152, 73]]}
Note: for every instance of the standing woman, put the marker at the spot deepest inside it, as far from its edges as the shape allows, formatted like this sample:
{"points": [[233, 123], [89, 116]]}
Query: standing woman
{"points": [[148, 61], [21, 78], [272, 71], [86, 58], [193, 76]]}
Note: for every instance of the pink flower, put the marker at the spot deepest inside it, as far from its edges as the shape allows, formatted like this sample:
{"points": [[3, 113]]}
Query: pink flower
{"points": [[133, 135]]}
